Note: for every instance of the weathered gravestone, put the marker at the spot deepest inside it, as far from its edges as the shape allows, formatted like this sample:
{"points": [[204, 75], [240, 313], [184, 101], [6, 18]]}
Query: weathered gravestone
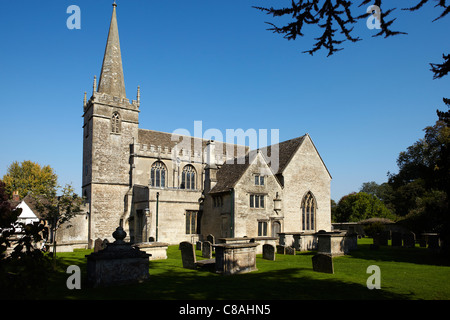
{"points": [[269, 252], [281, 249], [396, 239], [323, 263], [384, 237], [211, 239], [198, 245], [207, 250], [409, 240], [290, 250], [187, 255], [98, 245]]}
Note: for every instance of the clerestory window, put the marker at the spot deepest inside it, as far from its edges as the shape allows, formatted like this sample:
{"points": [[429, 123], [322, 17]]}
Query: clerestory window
{"points": [[188, 177], [158, 175]]}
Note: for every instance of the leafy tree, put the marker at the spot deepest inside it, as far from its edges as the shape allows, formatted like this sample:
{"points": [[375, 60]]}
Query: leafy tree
{"points": [[421, 187], [59, 210], [25, 271], [359, 206], [28, 177]]}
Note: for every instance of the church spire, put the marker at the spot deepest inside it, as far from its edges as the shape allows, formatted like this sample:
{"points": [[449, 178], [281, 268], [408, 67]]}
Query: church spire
{"points": [[111, 77]]}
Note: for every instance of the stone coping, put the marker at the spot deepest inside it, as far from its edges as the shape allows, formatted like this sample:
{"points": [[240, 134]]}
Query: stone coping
{"points": [[236, 245], [143, 245]]}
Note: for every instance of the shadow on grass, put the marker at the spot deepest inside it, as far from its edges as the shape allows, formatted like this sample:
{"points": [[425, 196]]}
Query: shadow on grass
{"points": [[400, 254], [171, 282]]}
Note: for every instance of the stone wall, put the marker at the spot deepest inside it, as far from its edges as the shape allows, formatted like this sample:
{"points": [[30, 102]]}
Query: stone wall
{"points": [[306, 172]]}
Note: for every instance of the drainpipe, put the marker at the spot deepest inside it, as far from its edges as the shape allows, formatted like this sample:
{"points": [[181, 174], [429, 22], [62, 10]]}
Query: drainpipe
{"points": [[232, 214], [157, 206]]}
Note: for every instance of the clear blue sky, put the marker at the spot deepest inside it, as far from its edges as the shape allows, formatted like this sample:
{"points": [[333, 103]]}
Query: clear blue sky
{"points": [[215, 62]]}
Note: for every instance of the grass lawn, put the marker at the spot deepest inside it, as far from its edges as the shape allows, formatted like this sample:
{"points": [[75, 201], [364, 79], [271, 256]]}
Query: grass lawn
{"points": [[413, 273]]}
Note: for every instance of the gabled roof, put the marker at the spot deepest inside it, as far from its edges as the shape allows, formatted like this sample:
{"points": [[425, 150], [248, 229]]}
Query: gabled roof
{"points": [[30, 201], [286, 151], [230, 173]]}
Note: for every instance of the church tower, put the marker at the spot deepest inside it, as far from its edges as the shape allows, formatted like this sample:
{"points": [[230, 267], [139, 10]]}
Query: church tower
{"points": [[110, 127]]}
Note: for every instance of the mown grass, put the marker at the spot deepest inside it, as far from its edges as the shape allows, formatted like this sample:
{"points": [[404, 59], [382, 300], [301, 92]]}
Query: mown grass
{"points": [[414, 273]]}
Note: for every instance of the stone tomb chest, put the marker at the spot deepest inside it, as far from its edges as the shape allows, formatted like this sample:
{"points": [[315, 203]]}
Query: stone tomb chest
{"points": [[235, 257], [119, 263]]}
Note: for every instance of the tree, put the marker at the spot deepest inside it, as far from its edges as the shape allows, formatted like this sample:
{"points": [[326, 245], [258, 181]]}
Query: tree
{"points": [[59, 210], [359, 206], [421, 187], [25, 270], [331, 16], [28, 177]]}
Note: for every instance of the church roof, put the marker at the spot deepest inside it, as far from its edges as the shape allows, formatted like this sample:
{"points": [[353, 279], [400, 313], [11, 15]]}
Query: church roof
{"points": [[230, 173]]}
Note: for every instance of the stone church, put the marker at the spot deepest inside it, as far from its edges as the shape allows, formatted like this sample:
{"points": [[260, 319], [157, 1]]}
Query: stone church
{"points": [[171, 188]]}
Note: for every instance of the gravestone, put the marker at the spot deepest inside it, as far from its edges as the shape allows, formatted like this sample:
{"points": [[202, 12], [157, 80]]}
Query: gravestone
{"points": [[269, 252], [290, 250], [409, 240], [98, 245], [376, 239], [323, 263], [198, 245], [396, 239], [207, 250], [384, 237], [211, 239], [187, 255], [281, 249]]}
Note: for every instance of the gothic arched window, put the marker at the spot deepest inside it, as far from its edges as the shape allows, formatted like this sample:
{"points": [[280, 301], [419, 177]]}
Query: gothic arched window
{"points": [[158, 175], [188, 177], [308, 212], [115, 123]]}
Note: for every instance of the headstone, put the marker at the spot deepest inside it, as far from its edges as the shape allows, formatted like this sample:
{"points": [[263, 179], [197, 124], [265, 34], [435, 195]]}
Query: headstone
{"points": [[323, 263], [105, 243], [376, 239], [269, 252], [281, 249], [423, 242], [211, 239], [290, 250], [198, 245], [207, 250], [409, 240], [98, 245], [187, 255], [433, 241], [384, 237], [396, 239]]}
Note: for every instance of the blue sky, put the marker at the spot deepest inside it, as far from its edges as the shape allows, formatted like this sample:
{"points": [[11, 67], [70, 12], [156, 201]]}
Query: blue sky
{"points": [[215, 62]]}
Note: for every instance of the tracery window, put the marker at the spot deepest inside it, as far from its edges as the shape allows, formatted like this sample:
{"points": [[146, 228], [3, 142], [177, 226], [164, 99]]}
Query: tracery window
{"points": [[158, 175], [308, 212], [188, 177], [115, 123]]}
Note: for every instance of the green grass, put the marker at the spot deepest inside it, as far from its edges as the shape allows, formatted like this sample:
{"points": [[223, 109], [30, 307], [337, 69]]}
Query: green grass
{"points": [[413, 273]]}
